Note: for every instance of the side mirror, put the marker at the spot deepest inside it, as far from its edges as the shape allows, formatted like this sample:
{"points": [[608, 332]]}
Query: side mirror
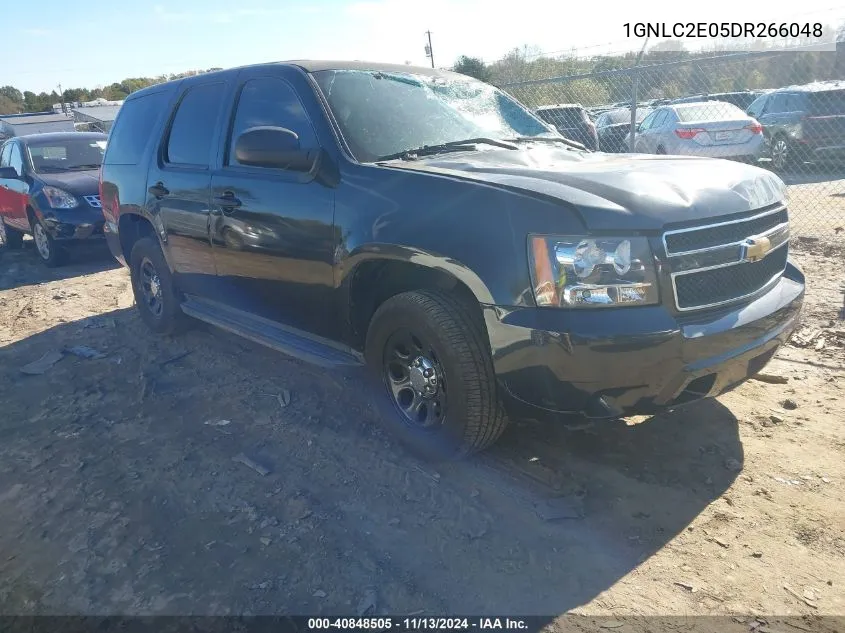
{"points": [[9, 173], [273, 147]]}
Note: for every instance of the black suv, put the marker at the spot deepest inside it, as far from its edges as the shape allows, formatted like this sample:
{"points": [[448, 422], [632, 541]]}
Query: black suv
{"points": [[428, 226], [803, 123]]}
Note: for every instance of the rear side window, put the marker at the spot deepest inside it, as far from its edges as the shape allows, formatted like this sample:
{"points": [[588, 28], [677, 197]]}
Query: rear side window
{"points": [[271, 101], [133, 128], [4, 155], [192, 132], [711, 111], [568, 117], [16, 159], [827, 103]]}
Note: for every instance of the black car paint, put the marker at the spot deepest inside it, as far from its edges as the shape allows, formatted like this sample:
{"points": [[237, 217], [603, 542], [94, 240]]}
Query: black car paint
{"points": [[79, 224], [464, 218]]}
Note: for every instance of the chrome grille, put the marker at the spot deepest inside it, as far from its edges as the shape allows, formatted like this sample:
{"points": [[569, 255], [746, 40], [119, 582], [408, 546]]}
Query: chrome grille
{"points": [[723, 262], [94, 201]]}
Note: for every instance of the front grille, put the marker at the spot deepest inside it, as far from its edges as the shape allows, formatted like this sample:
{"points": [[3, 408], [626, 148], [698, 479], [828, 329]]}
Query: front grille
{"points": [[727, 261], [693, 239], [94, 201], [720, 285]]}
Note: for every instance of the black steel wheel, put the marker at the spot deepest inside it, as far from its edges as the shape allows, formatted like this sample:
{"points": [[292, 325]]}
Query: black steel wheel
{"points": [[158, 300], [432, 374], [415, 379]]}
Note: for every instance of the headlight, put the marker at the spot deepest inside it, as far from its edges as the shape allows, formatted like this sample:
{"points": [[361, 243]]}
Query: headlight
{"points": [[59, 198], [592, 272]]}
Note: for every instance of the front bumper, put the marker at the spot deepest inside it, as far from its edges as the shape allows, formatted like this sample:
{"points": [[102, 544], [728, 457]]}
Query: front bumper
{"points": [[608, 363], [74, 224]]}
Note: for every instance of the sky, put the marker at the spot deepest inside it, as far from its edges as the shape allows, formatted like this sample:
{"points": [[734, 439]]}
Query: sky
{"points": [[98, 42]]}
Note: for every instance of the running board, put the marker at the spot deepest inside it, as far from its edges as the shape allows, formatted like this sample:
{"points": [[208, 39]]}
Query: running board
{"points": [[295, 343]]}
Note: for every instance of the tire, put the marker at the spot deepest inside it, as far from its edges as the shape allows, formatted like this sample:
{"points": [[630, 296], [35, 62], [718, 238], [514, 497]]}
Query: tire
{"points": [[463, 415], [782, 153], [661, 150], [49, 251], [158, 300], [11, 238]]}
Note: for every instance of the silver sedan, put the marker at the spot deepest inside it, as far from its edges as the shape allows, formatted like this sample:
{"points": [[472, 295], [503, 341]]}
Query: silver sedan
{"points": [[715, 129]]}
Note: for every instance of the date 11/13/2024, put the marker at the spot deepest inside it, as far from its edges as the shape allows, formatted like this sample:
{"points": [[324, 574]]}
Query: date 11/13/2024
{"points": [[419, 623]]}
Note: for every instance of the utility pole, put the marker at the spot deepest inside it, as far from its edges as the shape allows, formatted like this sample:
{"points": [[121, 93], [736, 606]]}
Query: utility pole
{"points": [[429, 51]]}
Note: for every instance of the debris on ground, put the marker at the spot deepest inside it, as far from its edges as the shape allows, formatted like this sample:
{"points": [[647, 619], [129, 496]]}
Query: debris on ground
{"points": [[217, 422], [241, 458], [773, 379], [789, 404], [41, 365], [805, 338], [685, 585], [797, 596], [733, 465], [265, 541], [368, 603], [319, 594], [83, 351], [174, 358]]}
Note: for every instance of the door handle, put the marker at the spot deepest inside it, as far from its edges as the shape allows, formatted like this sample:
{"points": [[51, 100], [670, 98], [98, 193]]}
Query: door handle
{"points": [[159, 190], [227, 201]]}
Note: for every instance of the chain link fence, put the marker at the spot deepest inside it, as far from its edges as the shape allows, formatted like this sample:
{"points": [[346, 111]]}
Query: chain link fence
{"points": [[781, 110]]}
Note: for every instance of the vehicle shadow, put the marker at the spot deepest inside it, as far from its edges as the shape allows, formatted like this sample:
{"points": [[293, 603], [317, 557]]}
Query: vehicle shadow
{"points": [[145, 437], [19, 268]]}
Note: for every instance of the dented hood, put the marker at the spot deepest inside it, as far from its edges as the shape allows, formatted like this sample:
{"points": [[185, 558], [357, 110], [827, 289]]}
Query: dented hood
{"points": [[617, 191]]}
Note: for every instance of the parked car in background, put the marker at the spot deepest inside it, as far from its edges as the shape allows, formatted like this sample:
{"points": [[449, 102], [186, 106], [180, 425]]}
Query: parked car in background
{"points": [[429, 228], [49, 189], [614, 126], [802, 123], [572, 121], [741, 98], [714, 128]]}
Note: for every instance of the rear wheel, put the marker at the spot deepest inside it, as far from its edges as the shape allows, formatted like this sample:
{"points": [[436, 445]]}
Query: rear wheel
{"points": [[783, 154], [159, 303], [661, 149], [50, 252], [433, 376]]}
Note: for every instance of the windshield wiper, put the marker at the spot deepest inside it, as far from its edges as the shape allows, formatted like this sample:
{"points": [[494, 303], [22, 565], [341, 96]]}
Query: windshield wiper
{"points": [[451, 146], [549, 139], [86, 166], [46, 168]]}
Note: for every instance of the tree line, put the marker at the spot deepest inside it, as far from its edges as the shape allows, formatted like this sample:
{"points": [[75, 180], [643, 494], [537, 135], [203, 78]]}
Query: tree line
{"points": [[15, 101], [698, 72]]}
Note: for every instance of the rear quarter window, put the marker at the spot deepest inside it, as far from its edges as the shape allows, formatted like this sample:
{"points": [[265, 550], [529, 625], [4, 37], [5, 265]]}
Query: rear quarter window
{"points": [[134, 128], [827, 103]]}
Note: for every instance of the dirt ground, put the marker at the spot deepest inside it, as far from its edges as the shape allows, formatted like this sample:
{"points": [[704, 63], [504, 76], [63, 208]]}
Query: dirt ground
{"points": [[121, 489]]}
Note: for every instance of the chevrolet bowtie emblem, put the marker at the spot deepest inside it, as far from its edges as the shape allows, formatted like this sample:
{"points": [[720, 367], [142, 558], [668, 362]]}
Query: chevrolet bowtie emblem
{"points": [[755, 248]]}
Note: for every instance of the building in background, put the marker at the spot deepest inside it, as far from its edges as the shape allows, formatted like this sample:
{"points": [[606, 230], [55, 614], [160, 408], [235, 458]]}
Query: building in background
{"points": [[34, 123], [96, 118]]}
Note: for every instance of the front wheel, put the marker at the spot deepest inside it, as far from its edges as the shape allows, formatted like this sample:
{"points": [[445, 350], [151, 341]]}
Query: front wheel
{"points": [[155, 293], [50, 252], [783, 154], [433, 375]]}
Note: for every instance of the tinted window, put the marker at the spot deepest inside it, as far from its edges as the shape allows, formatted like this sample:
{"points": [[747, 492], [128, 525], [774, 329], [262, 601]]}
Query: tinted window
{"points": [[4, 155], [192, 132], [133, 128], [712, 111], [271, 101], [777, 104], [827, 103], [16, 159], [565, 117], [660, 119]]}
